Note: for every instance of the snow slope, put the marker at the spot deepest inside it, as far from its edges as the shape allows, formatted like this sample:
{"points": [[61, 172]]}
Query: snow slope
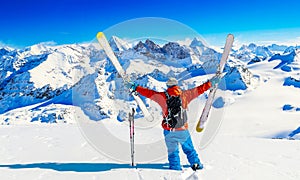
{"points": [[51, 136]]}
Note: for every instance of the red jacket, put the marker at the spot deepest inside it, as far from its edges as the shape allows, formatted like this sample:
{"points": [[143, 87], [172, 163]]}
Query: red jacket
{"points": [[186, 96]]}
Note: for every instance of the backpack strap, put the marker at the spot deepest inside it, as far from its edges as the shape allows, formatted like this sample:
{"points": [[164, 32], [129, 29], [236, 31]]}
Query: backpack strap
{"points": [[167, 94], [167, 97]]}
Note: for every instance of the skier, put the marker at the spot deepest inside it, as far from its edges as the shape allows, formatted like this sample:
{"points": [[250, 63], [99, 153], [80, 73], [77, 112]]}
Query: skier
{"points": [[174, 103]]}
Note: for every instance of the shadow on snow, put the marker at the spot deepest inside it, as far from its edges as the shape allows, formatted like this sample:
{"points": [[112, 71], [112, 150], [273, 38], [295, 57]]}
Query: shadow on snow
{"points": [[294, 135], [85, 167]]}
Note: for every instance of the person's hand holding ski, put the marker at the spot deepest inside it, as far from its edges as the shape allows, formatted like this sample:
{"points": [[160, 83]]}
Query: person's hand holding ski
{"points": [[131, 85], [215, 80]]}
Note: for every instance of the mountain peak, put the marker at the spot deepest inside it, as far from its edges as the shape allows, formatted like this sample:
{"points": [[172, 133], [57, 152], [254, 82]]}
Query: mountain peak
{"points": [[175, 50], [148, 46], [275, 47], [4, 51], [253, 53], [118, 44], [252, 46], [151, 44], [140, 46], [197, 42]]}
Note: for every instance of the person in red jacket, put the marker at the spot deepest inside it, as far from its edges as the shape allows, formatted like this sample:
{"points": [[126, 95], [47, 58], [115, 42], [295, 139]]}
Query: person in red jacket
{"points": [[177, 133]]}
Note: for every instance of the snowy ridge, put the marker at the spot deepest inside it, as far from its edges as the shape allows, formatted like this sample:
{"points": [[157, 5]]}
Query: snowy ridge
{"points": [[40, 73], [289, 60], [118, 44], [253, 52]]}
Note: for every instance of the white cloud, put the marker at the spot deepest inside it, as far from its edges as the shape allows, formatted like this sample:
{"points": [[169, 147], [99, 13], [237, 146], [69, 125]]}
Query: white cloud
{"points": [[294, 41], [266, 37], [49, 43], [186, 42]]}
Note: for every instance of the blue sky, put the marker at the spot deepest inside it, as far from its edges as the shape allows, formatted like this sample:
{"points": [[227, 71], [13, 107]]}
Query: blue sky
{"points": [[25, 23]]}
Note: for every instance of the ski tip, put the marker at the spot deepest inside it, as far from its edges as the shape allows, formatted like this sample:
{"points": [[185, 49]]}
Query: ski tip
{"points": [[100, 35], [199, 129], [230, 36]]}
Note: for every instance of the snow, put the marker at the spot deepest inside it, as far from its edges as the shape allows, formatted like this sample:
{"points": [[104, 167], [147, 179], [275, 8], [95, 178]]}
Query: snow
{"points": [[118, 44], [55, 138], [55, 65]]}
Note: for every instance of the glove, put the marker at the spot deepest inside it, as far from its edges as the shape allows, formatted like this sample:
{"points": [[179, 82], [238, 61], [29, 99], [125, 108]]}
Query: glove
{"points": [[131, 85], [215, 80]]}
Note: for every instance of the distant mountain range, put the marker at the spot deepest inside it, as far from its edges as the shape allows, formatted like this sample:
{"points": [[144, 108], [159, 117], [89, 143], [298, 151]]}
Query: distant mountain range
{"points": [[46, 81]]}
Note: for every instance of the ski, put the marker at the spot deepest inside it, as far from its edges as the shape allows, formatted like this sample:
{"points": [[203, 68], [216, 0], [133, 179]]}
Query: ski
{"points": [[109, 52], [212, 93]]}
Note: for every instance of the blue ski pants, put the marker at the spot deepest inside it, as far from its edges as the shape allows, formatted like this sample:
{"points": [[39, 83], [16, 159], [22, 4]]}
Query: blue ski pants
{"points": [[173, 139]]}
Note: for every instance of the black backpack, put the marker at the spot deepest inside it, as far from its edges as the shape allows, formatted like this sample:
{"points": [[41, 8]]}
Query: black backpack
{"points": [[176, 114]]}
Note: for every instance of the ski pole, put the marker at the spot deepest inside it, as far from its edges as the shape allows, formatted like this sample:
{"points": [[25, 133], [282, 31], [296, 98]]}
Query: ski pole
{"points": [[131, 128]]}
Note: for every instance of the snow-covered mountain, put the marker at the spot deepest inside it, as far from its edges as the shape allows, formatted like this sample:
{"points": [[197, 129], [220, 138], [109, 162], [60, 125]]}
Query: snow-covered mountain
{"points": [[118, 44], [68, 84], [253, 52], [41, 73], [277, 48], [289, 60]]}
